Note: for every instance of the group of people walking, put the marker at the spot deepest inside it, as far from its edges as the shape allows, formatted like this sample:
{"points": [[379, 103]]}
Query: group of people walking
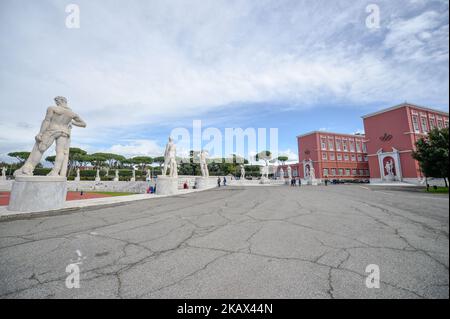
{"points": [[219, 181], [294, 182]]}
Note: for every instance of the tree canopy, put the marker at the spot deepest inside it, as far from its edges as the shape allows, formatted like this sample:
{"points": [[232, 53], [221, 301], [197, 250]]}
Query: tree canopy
{"points": [[432, 154], [20, 156]]}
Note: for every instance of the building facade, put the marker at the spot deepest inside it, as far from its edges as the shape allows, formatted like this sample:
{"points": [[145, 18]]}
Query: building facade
{"points": [[383, 154], [333, 156], [391, 135]]}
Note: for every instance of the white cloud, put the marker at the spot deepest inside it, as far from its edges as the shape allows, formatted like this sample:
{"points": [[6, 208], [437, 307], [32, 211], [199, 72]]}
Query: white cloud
{"points": [[137, 148], [149, 62]]}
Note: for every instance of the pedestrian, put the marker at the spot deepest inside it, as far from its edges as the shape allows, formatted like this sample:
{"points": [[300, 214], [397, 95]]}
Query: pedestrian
{"points": [[224, 181], [326, 182], [218, 181]]}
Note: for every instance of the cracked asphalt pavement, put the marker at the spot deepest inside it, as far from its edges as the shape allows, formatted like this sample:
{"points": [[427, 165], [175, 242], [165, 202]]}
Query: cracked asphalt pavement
{"points": [[236, 242]]}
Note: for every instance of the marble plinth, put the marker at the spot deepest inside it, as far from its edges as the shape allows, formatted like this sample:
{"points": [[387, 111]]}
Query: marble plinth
{"points": [[38, 193], [264, 180], [166, 185], [202, 182]]}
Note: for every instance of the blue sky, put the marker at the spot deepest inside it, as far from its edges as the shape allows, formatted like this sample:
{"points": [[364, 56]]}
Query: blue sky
{"points": [[135, 70]]}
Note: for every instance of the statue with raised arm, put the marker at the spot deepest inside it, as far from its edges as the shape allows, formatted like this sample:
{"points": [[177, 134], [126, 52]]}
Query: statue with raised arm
{"points": [[56, 127], [242, 171], [203, 155], [170, 161], [3, 177], [289, 172]]}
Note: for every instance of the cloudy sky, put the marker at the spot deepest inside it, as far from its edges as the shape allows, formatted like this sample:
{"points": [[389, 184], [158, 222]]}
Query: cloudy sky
{"points": [[136, 69]]}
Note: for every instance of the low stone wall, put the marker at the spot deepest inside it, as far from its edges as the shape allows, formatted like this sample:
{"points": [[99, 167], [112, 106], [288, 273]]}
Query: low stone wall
{"points": [[109, 186], [5, 186]]}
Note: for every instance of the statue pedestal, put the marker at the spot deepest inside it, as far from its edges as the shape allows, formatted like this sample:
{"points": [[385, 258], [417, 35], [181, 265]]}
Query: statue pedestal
{"points": [[202, 182], [97, 179], [116, 179], [38, 193], [264, 180], [166, 185], [313, 182]]}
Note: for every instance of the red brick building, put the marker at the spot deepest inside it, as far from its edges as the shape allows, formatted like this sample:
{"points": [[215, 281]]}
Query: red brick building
{"points": [[383, 154], [333, 155], [390, 137]]}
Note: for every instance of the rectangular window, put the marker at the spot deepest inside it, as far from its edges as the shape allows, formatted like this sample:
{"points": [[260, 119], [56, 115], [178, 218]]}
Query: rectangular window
{"points": [[352, 146], [366, 158], [346, 157], [347, 172], [324, 156], [364, 146], [358, 146], [424, 124], [341, 172], [325, 172], [446, 123], [344, 145], [333, 171], [354, 173], [332, 157], [323, 143], [338, 144], [339, 157], [353, 158], [440, 124], [366, 172], [361, 172], [330, 144], [415, 121], [359, 158], [432, 123]]}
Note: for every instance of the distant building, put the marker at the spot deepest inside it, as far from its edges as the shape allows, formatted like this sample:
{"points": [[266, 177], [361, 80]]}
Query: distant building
{"points": [[382, 154], [391, 135], [333, 155]]}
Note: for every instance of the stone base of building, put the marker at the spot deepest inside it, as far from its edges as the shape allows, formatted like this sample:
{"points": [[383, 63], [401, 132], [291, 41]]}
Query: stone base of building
{"points": [[38, 193], [166, 185]]}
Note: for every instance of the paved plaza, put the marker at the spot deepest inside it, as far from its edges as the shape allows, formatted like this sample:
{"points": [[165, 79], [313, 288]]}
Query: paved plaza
{"points": [[236, 242]]}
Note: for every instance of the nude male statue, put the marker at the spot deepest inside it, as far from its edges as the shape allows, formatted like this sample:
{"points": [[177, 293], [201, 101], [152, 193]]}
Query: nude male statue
{"points": [[203, 155], [56, 126], [170, 161]]}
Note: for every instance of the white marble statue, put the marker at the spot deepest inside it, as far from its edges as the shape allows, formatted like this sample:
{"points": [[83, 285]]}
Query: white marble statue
{"points": [[56, 127], [203, 155], [170, 161], [116, 178], [242, 172], [97, 176], [265, 171], [3, 177], [133, 178], [107, 171], [312, 173], [390, 169], [281, 173], [77, 178], [148, 175], [289, 172]]}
